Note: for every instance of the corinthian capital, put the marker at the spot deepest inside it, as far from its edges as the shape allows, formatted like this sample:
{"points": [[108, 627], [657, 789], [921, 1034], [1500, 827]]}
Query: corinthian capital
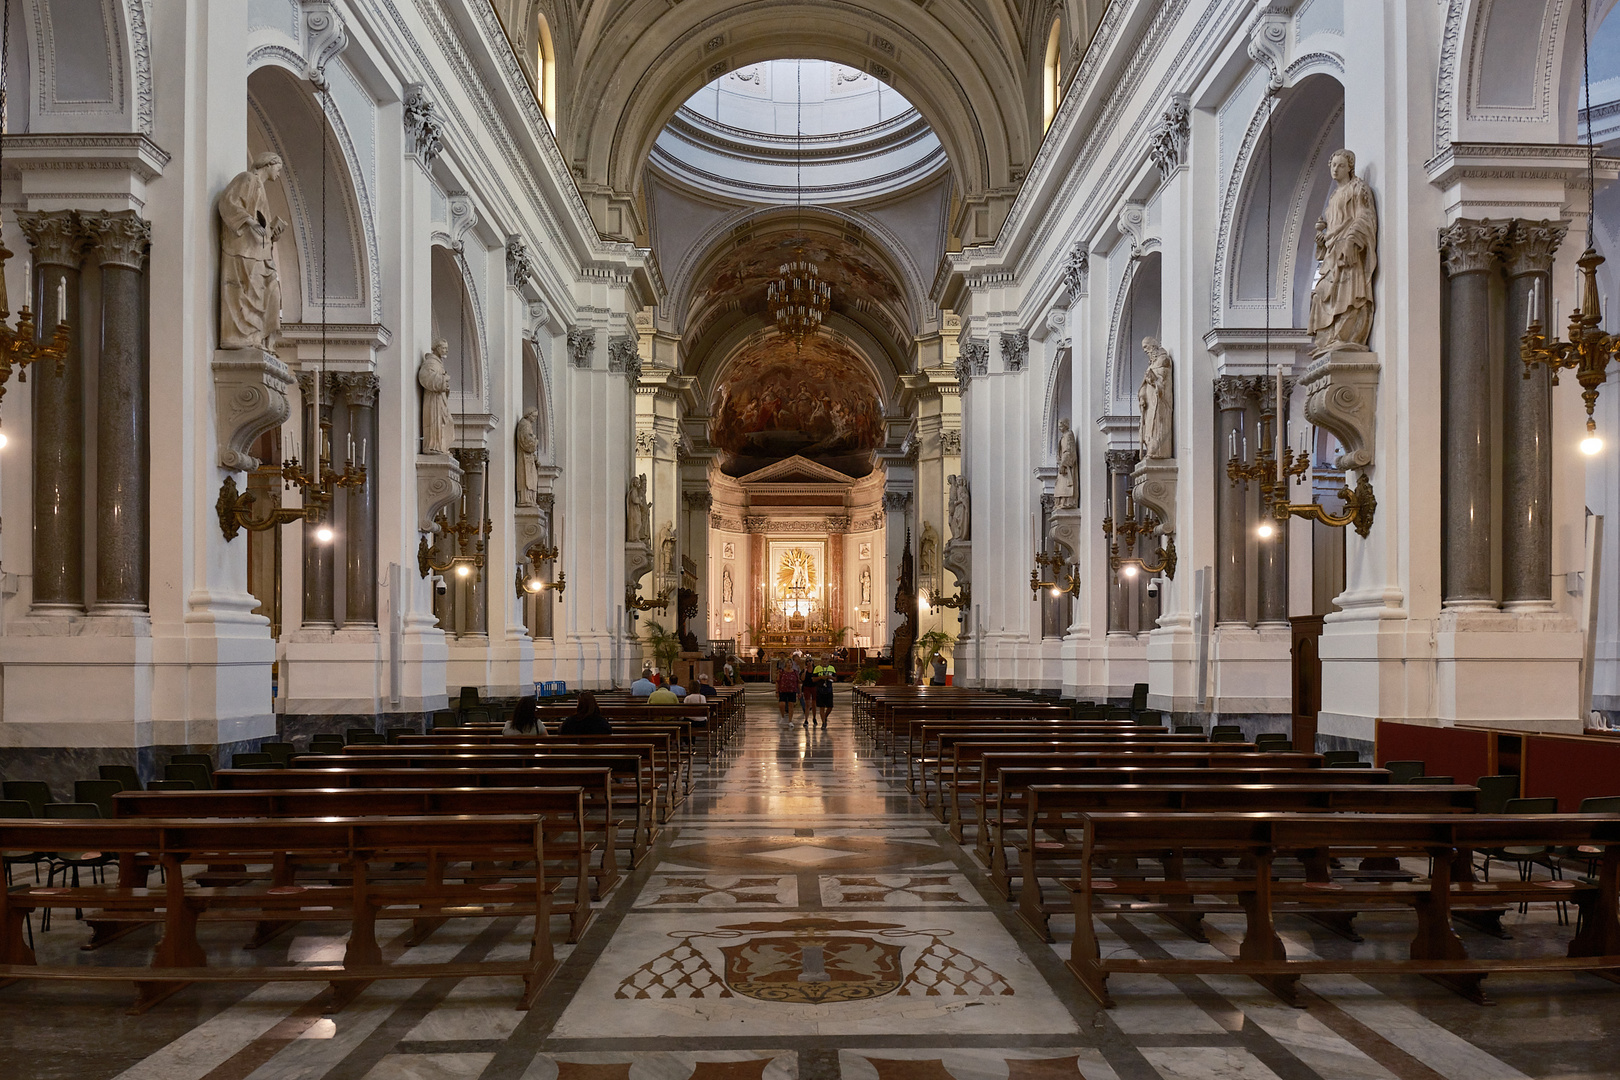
{"points": [[1531, 246], [1233, 391], [1121, 461], [1472, 247], [58, 237], [359, 388], [121, 238]]}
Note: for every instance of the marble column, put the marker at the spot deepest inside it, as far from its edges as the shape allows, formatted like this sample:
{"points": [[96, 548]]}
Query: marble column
{"points": [[1527, 422], [122, 469], [1232, 394], [1470, 251], [1273, 552], [1120, 463], [475, 469], [360, 534], [58, 241], [319, 558]]}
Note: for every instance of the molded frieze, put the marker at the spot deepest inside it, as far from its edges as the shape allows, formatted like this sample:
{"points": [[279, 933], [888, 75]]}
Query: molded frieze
{"points": [[250, 398]]}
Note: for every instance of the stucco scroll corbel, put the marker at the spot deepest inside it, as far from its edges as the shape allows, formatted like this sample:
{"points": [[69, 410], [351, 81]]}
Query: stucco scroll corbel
{"points": [[1342, 396], [250, 398]]}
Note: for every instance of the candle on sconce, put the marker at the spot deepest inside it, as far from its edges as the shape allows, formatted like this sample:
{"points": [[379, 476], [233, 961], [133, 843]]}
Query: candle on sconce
{"points": [[1231, 438], [61, 300]]}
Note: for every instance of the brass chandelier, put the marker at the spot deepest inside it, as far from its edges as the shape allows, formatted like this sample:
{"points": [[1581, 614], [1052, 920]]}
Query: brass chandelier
{"points": [[19, 347], [1589, 349], [798, 298]]}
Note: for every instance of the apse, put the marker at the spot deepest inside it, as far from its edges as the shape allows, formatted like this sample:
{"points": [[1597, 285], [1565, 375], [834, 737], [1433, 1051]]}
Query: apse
{"points": [[777, 400]]}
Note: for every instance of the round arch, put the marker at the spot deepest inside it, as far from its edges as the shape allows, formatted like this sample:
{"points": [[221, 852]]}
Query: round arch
{"points": [[457, 320]]}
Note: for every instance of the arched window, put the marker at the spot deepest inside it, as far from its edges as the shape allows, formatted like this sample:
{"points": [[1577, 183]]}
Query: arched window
{"points": [[545, 70], [1052, 80]]}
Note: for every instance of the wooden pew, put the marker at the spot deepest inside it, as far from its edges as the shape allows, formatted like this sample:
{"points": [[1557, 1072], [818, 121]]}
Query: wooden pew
{"points": [[1050, 844], [571, 846], [357, 845], [923, 739], [666, 757], [1006, 778], [634, 799], [1259, 883], [960, 751]]}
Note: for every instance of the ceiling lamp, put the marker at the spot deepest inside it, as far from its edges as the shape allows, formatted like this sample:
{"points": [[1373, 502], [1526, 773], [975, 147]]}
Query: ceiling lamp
{"points": [[798, 297]]}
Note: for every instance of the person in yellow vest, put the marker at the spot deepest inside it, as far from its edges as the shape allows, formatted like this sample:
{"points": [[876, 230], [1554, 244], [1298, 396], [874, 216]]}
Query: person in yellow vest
{"points": [[826, 675]]}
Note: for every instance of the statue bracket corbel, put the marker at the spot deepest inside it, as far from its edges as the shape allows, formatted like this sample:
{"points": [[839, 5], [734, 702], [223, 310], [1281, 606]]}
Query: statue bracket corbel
{"points": [[438, 485], [1064, 531], [1153, 484], [250, 398], [1341, 395]]}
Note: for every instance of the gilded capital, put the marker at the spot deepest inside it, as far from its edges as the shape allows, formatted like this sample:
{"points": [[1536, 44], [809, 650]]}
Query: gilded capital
{"points": [[120, 239], [1531, 246], [1472, 247], [58, 237]]}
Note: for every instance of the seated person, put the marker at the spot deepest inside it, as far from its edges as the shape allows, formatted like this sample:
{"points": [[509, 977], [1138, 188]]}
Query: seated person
{"points": [[700, 694], [664, 695], [587, 718], [644, 685], [676, 688], [524, 721]]}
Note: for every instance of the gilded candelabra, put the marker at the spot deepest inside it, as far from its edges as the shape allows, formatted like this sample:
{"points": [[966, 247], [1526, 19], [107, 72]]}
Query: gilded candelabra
{"points": [[1126, 532], [18, 348], [533, 580], [319, 488], [636, 603], [1588, 350], [1066, 579], [1274, 465]]}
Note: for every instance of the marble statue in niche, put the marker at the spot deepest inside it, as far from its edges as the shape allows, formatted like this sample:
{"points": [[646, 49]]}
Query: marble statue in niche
{"points": [[528, 466], [438, 429], [1156, 400], [961, 514], [726, 587], [928, 548], [866, 584], [637, 512], [1347, 251], [666, 547], [249, 284], [1066, 490]]}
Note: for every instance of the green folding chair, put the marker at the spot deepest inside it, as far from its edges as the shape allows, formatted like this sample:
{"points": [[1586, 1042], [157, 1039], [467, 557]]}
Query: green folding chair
{"points": [[201, 776], [1494, 793], [1339, 757], [252, 760], [99, 792], [193, 759], [1404, 772], [280, 752], [171, 785], [36, 793], [124, 774]]}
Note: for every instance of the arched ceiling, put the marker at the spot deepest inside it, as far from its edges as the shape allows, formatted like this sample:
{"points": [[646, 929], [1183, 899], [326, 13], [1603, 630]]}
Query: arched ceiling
{"points": [[968, 66], [775, 399]]}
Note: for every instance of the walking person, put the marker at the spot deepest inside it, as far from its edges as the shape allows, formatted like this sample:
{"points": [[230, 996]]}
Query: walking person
{"points": [[787, 689], [807, 691], [826, 675]]}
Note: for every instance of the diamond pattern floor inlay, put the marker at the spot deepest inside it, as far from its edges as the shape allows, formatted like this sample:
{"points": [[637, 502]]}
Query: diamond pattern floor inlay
{"points": [[803, 918]]}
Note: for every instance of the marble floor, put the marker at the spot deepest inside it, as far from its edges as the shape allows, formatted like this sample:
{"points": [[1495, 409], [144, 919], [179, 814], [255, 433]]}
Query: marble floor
{"points": [[803, 919]]}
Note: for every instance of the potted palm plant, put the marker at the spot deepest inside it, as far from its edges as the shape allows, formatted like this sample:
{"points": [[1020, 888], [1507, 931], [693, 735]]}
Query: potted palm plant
{"points": [[665, 645]]}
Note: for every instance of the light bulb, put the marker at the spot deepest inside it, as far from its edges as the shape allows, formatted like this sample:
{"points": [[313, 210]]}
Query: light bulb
{"points": [[1130, 571], [462, 570], [1054, 590], [1265, 530], [1590, 445], [324, 534], [533, 585], [3, 440]]}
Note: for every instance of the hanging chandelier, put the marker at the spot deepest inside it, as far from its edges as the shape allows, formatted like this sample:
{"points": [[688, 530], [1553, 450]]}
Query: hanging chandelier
{"points": [[22, 346], [1589, 349], [798, 297]]}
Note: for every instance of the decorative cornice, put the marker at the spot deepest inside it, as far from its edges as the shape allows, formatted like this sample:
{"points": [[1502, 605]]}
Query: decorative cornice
{"points": [[136, 153]]}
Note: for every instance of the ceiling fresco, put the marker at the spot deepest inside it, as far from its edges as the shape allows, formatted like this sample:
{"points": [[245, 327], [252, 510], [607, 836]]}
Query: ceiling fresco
{"points": [[777, 401], [742, 273]]}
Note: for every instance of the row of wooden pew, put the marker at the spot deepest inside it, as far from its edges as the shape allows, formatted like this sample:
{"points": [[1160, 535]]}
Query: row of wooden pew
{"points": [[1085, 812], [454, 824]]}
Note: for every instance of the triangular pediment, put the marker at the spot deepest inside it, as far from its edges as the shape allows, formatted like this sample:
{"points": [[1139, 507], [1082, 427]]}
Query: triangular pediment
{"points": [[795, 470]]}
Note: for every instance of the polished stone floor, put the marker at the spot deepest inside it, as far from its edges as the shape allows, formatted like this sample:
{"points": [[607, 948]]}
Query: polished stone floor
{"points": [[803, 919]]}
